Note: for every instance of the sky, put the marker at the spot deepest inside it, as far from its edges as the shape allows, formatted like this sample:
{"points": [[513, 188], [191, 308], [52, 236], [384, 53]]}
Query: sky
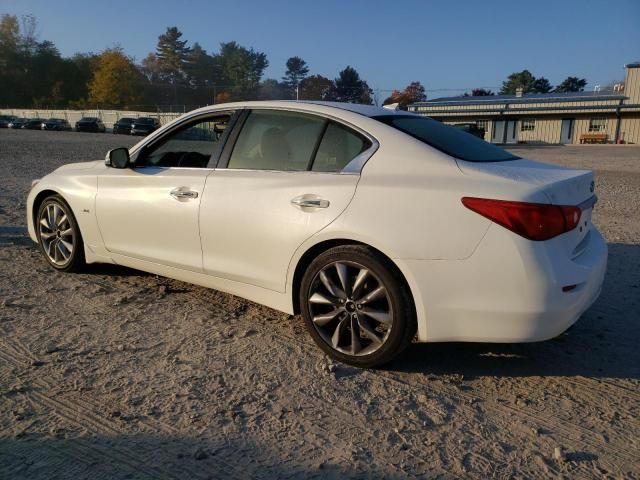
{"points": [[449, 46]]}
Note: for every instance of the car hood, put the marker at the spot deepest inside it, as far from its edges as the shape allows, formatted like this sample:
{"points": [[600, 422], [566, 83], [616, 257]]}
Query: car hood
{"points": [[80, 166]]}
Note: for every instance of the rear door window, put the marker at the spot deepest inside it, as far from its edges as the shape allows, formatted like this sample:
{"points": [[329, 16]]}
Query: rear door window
{"points": [[277, 140], [338, 147], [447, 139]]}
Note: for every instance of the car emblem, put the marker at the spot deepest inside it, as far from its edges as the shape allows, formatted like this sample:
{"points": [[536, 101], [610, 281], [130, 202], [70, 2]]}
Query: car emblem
{"points": [[593, 186]]}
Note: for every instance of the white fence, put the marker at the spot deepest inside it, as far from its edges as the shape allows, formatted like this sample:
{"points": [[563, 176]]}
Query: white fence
{"points": [[108, 117]]}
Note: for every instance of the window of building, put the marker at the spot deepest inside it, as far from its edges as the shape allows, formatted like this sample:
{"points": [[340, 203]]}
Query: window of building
{"points": [[597, 124], [527, 125], [483, 125]]}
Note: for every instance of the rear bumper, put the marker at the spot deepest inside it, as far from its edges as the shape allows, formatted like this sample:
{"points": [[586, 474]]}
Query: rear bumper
{"points": [[509, 290]]}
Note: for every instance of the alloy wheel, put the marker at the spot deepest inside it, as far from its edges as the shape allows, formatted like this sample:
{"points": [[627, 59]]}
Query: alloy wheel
{"points": [[350, 308], [56, 234]]}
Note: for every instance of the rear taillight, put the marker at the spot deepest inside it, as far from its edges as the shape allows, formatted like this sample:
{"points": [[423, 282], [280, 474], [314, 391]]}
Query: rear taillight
{"points": [[535, 221]]}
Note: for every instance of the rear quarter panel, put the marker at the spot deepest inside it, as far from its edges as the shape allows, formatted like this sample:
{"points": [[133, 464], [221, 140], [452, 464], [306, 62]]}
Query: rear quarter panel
{"points": [[407, 203]]}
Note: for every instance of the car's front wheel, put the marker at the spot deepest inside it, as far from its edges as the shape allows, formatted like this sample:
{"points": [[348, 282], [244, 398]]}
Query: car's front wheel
{"points": [[356, 306], [59, 235]]}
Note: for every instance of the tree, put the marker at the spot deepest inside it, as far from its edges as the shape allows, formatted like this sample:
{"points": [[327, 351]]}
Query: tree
{"points": [[9, 33], [241, 70], [572, 84], [481, 92], [116, 80], [317, 87], [297, 70], [414, 92], [271, 89], [201, 67], [172, 55], [151, 68], [351, 88], [542, 85], [524, 80]]}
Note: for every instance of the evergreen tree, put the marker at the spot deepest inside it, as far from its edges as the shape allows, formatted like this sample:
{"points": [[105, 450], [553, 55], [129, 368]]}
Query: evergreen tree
{"points": [[481, 92], [572, 84], [542, 85], [297, 70], [524, 80], [241, 70], [173, 56], [351, 88]]}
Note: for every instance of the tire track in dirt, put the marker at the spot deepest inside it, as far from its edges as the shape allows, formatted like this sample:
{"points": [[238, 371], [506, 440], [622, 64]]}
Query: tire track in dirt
{"points": [[572, 431], [74, 412], [198, 302], [541, 418]]}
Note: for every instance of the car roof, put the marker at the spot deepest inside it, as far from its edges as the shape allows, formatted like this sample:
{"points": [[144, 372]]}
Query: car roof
{"points": [[365, 110]]}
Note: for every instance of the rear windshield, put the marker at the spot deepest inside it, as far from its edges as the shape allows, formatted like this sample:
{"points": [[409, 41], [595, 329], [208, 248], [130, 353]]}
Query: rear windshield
{"points": [[145, 120], [89, 119], [447, 139]]}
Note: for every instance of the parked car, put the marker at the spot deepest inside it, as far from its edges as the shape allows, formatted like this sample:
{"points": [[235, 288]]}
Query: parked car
{"points": [[34, 124], [18, 123], [377, 226], [90, 124], [123, 125], [59, 124], [471, 128], [5, 120], [144, 126]]}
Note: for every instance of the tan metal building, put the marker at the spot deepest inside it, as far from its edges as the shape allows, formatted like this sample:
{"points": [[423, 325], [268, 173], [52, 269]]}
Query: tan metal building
{"points": [[548, 118]]}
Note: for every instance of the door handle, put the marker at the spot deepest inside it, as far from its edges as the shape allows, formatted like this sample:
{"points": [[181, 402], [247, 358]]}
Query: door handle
{"points": [[310, 202], [180, 194]]}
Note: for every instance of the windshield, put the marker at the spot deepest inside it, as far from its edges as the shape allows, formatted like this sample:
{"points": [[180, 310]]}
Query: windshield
{"points": [[89, 119], [447, 139], [145, 121]]}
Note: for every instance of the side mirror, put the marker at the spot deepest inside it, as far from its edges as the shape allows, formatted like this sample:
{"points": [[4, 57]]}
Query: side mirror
{"points": [[117, 158]]}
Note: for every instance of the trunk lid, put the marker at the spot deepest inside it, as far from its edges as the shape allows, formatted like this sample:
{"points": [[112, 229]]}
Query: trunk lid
{"points": [[562, 186]]}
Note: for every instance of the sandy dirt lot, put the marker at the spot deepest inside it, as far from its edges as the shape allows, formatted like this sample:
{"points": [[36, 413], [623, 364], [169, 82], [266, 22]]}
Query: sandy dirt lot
{"points": [[114, 373]]}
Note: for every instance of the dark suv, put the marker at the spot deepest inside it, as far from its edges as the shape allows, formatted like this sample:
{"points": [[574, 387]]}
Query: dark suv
{"points": [[123, 126], [144, 126], [90, 124]]}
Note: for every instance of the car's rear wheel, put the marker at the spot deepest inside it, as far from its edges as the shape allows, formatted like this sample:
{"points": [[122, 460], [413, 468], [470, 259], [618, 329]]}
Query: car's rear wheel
{"points": [[356, 306], [59, 235]]}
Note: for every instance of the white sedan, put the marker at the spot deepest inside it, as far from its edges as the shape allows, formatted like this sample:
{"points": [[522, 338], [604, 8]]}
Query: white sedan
{"points": [[378, 226]]}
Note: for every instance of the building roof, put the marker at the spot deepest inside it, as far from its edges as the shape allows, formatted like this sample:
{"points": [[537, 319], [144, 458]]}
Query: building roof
{"points": [[526, 98]]}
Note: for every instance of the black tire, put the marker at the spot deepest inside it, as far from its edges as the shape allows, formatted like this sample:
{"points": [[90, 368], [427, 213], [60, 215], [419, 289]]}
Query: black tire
{"points": [[397, 300], [75, 261]]}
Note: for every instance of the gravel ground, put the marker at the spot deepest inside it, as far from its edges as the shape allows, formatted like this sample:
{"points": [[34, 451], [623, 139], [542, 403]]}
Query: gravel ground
{"points": [[118, 374]]}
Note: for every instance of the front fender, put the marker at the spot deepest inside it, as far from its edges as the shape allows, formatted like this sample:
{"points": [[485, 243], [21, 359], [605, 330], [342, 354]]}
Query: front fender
{"points": [[78, 188]]}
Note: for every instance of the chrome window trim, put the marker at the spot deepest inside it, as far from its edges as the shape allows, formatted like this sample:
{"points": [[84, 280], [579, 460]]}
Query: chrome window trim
{"points": [[175, 168], [354, 167]]}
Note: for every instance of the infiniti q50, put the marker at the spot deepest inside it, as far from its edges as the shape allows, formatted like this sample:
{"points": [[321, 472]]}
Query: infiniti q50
{"points": [[377, 226]]}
